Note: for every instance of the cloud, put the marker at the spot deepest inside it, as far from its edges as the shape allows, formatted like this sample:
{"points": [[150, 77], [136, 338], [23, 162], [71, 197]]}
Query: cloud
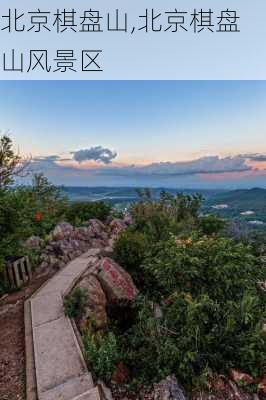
{"points": [[191, 172], [258, 157], [98, 154]]}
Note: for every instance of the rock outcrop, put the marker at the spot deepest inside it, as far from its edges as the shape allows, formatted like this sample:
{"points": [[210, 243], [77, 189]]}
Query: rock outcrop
{"points": [[116, 282], [95, 306], [168, 389], [67, 242]]}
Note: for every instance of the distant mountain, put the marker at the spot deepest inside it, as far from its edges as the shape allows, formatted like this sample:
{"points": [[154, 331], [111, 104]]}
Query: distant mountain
{"points": [[249, 204], [122, 195], [244, 205]]}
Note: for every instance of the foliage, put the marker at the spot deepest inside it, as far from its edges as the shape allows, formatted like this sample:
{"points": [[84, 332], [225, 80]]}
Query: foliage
{"points": [[11, 164], [129, 250], [158, 218], [212, 312], [27, 211], [102, 354], [205, 285], [74, 303], [79, 212], [211, 224]]}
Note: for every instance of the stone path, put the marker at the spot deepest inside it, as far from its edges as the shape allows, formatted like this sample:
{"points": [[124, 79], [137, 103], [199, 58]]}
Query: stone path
{"points": [[60, 369]]}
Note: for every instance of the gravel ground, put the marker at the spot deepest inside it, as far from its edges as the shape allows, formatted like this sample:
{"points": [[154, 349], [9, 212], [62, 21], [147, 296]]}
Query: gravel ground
{"points": [[12, 343]]}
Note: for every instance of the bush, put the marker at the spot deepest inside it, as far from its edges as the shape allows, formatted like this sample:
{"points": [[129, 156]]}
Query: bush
{"points": [[211, 224], [102, 354], [213, 312], [79, 212], [74, 303], [170, 214], [129, 251]]}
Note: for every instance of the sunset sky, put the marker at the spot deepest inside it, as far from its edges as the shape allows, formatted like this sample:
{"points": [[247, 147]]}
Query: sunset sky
{"points": [[200, 134]]}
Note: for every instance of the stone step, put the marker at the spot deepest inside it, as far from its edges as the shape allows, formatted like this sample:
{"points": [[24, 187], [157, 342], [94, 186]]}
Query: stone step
{"points": [[92, 394], [71, 389]]}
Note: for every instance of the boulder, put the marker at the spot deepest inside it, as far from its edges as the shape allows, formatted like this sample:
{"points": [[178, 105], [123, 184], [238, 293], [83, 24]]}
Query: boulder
{"points": [[262, 385], [96, 229], [127, 219], [62, 231], [98, 243], [34, 243], [168, 389], [117, 226], [116, 282], [238, 376], [95, 303]]}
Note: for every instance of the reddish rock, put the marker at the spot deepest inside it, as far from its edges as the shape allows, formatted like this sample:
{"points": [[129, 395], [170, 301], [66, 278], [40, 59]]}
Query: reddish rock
{"points": [[121, 374], [238, 376], [116, 282], [95, 303], [117, 226], [262, 385]]}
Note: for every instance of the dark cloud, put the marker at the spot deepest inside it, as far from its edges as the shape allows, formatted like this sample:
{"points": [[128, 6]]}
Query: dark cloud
{"points": [[258, 157], [184, 173], [204, 165], [98, 154]]}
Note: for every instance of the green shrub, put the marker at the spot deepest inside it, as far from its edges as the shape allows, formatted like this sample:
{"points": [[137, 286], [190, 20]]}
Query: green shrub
{"points": [[79, 212], [169, 214], [102, 354], [129, 251], [74, 303], [211, 224], [213, 312]]}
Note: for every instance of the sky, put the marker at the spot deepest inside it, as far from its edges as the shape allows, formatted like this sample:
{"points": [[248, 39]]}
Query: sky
{"points": [[187, 134]]}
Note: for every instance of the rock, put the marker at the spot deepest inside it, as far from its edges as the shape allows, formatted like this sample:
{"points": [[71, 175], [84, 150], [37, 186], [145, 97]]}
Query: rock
{"points": [[120, 374], [117, 226], [96, 229], [238, 394], [104, 390], [128, 219], [107, 251], [238, 376], [82, 233], [34, 243], [168, 389], [95, 302], [98, 243], [62, 231], [116, 282], [94, 252], [262, 385]]}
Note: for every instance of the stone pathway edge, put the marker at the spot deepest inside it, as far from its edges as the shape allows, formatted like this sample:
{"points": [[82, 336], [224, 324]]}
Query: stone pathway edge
{"points": [[31, 382]]}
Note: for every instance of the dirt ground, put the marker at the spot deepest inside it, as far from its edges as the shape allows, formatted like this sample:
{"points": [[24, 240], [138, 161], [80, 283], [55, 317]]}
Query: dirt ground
{"points": [[12, 345]]}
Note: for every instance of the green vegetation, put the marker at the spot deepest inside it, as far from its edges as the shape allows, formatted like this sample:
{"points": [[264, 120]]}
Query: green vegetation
{"points": [[79, 212], [74, 303], [32, 210], [201, 309], [102, 354], [239, 201]]}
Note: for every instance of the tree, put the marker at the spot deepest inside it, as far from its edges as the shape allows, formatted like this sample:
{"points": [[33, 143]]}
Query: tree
{"points": [[12, 165]]}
